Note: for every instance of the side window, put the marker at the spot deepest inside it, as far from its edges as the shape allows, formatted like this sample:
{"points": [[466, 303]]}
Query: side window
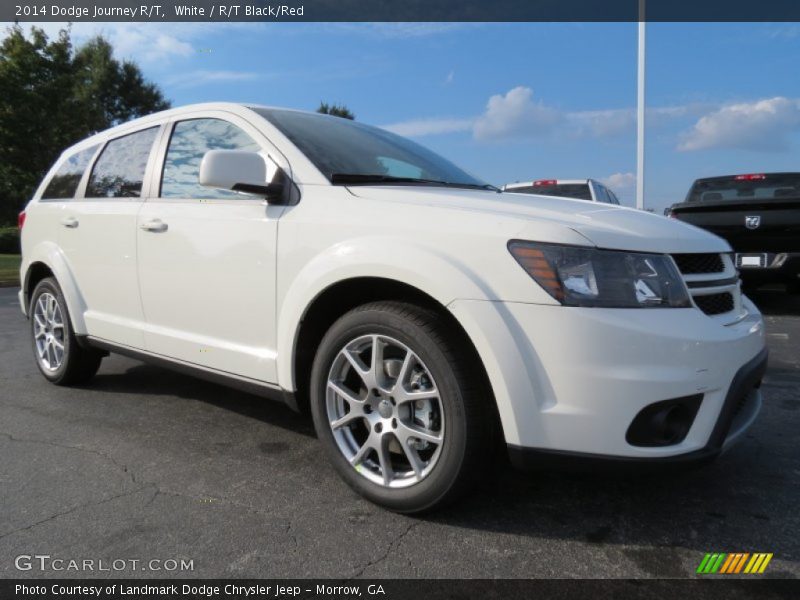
{"points": [[601, 194], [119, 172], [65, 182], [613, 197], [189, 142]]}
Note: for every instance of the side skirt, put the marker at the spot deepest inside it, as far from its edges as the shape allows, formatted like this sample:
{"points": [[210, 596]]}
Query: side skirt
{"points": [[245, 384]]}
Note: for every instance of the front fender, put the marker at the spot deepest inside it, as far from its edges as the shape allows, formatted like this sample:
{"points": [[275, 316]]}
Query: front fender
{"points": [[50, 255], [420, 266]]}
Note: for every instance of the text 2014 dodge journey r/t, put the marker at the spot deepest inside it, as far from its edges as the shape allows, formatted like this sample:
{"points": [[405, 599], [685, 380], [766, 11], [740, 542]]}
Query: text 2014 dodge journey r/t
{"points": [[418, 312]]}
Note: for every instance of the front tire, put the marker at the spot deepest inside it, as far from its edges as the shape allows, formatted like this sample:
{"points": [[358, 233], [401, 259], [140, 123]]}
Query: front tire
{"points": [[400, 407], [59, 357]]}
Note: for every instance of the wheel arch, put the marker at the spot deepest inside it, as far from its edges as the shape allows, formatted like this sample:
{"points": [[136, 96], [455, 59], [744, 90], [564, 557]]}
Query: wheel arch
{"points": [[35, 273], [339, 298], [381, 265], [47, 260]]}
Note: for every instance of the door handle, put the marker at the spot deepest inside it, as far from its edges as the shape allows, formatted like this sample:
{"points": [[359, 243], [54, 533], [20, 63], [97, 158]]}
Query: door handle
{"points": [[155, 226], [69, 222]]}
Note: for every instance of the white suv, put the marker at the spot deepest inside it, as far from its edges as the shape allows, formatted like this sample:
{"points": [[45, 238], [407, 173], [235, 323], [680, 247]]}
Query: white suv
{"points": [[419, 313]]}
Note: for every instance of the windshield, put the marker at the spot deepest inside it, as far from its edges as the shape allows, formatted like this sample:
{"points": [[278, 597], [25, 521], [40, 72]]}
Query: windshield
{"points": [[746, 187], [347, 152], [577, 191]]}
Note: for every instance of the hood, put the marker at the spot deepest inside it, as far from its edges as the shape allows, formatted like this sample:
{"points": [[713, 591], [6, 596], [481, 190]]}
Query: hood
{"points": [[603, 225]]}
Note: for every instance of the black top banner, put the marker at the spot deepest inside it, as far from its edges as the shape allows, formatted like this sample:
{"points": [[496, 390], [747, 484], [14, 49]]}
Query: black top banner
{"points": [[403, 10]]}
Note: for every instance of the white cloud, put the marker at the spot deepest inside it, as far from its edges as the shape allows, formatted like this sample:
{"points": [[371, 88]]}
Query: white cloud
{"points": [[515, 114], [423, 127], [203, 77], [620, 182], [147, 46], [762, 125], [663, 113], [450, 77]]}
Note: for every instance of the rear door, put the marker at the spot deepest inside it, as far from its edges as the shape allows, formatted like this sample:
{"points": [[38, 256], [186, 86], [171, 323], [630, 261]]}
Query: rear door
{"points": [[46, 214], [98, 237], [207, 257]]}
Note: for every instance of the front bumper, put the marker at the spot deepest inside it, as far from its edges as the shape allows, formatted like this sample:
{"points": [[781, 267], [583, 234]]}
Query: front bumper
{"points": [[741, 407], [571, 380]]}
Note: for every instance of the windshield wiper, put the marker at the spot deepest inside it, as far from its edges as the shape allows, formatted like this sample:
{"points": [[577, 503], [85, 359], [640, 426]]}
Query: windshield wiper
{"points": [[477, 186], [365, 179]]}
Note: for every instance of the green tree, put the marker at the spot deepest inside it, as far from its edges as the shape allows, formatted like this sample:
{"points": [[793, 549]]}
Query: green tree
{"points": [[53, 95], [337, 110]]}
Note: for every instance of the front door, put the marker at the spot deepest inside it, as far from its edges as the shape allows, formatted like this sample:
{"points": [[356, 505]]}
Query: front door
{"points": [[206, 258]]}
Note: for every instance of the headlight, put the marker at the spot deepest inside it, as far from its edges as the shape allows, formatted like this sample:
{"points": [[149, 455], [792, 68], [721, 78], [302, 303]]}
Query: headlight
{"points": [[578, 276]]}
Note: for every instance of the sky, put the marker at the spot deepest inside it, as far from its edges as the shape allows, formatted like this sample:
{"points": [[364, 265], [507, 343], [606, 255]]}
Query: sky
{"points": [[509, 102]]}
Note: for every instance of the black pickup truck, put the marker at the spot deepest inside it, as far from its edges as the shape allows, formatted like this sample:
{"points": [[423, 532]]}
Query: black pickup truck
{"points": [[759, 216]]}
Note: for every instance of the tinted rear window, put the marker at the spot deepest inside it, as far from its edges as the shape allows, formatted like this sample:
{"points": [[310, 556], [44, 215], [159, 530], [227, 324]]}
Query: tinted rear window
{"points": [[65, 182], [578, 191], [119, 172], [746, 187]]}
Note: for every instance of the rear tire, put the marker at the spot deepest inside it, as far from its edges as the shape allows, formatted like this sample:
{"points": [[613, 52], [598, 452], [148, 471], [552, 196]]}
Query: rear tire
{"points": [[58, 355], [411, 431]]}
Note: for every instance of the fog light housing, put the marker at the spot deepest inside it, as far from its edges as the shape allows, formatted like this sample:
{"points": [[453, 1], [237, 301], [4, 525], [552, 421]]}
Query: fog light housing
{"points": [[664, 423]]}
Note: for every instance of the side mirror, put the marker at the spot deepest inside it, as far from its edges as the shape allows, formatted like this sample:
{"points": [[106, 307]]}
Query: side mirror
{"points": [[239, 171]]}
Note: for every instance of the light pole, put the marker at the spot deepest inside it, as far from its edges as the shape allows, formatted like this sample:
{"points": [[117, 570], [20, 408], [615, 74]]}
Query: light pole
{"points": [[640, 112]]}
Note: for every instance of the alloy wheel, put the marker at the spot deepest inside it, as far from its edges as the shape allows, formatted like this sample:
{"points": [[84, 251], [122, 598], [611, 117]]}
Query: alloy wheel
{"points": [[48, 332], [385, 411]]}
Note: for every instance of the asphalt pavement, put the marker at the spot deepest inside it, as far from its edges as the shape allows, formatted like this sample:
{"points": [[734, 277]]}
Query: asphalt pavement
{"points": [[145, 464]]}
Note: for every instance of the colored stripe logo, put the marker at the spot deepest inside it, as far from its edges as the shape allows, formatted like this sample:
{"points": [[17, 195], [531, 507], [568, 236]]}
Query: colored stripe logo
{"points": [[734, 562]]}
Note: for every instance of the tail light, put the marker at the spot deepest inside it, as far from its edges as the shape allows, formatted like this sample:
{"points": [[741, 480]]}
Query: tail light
{"points": [[21, 219], [750, 177], [546, 182]]}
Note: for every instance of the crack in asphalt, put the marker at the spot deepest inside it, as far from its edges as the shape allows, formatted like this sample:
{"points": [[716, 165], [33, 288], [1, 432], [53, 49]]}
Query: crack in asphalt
{"points": [[134, 478], [141, 485], [213, 500], [72, 510], [292, 536], [395, 543], [108, 457]]}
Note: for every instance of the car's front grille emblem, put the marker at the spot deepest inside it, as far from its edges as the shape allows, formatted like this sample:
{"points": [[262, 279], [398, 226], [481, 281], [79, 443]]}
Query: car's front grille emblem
{"points": [[752, 222]]}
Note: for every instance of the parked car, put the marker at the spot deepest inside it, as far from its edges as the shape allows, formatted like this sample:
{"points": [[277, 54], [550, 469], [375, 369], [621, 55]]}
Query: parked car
{"points": [[420, 314], [759, 215], [577, 189]]}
